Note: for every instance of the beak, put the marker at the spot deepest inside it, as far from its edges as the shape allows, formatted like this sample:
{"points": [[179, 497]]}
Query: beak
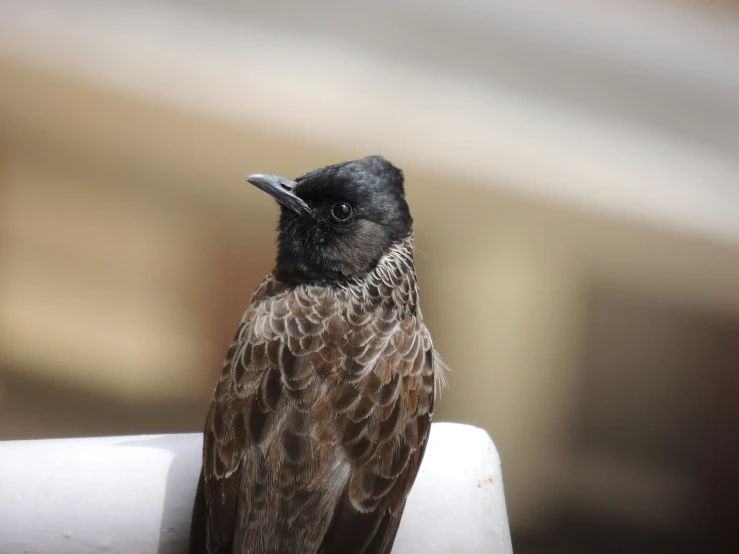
{"points": [[282, 190]]}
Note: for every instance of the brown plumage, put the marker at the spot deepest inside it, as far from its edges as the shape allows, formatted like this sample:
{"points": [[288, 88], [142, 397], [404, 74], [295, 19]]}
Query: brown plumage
{"points": [[322, 412]]}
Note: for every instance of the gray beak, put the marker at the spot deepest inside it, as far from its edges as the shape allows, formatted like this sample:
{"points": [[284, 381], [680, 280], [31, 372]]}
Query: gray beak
{"points": [[282, 190]]}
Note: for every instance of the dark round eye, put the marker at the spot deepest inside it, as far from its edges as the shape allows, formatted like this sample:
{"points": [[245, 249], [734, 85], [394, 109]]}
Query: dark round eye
{"points": [[341, 211]]}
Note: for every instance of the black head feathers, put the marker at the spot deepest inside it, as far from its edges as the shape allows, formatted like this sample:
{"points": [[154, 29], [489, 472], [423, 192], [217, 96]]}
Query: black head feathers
{"points": [[336, 222]]}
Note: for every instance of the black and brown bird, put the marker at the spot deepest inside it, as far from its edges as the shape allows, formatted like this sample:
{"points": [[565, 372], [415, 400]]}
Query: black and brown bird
{"points": [[322, 412]]}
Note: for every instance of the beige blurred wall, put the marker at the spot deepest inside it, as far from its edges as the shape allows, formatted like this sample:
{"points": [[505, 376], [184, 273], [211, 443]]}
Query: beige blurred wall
{"points": [[129, 246]]}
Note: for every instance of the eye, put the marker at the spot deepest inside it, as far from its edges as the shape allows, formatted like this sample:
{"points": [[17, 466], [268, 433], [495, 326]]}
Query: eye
{"points": [[341, 211]]}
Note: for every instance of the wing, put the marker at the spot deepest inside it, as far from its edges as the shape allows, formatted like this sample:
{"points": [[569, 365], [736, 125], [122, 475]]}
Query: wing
{"points": [[317, 426], [385, 431], [227, 436], [214, 512], [268, 484]]}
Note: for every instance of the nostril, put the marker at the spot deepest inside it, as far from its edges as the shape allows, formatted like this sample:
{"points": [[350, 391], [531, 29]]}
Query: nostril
{"points": [[286, 186]]}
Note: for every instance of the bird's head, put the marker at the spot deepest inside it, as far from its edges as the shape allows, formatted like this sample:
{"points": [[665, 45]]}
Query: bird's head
{"points": [[336, 222]]}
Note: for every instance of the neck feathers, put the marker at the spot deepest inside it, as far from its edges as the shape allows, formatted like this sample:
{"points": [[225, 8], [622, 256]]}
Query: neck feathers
{"points": [[391, 283]]}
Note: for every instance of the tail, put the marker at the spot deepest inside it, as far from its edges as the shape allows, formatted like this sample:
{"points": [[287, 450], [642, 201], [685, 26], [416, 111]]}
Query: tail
{"points": [[199, 522]]}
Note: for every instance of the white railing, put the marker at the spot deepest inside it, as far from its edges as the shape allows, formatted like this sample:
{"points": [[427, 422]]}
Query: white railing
{"points": [[134, 495]]}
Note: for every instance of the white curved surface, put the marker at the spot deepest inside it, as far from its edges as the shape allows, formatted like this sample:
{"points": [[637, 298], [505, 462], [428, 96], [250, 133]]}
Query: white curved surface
{"points": [[134, 494]]}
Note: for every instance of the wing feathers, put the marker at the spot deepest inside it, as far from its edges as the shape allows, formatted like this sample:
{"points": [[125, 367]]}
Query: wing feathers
{"points": [[318, 424]]}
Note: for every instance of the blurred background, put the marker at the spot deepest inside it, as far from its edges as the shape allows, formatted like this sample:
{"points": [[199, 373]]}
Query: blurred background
{"points": [[572, 167]]}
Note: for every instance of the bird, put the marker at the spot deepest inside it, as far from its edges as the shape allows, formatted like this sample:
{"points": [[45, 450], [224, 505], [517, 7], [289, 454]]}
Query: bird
{"points": [[322, 411]]}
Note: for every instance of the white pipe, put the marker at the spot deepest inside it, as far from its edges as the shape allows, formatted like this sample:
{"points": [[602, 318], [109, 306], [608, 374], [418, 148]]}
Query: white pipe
{"points": [[134, 495]]}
